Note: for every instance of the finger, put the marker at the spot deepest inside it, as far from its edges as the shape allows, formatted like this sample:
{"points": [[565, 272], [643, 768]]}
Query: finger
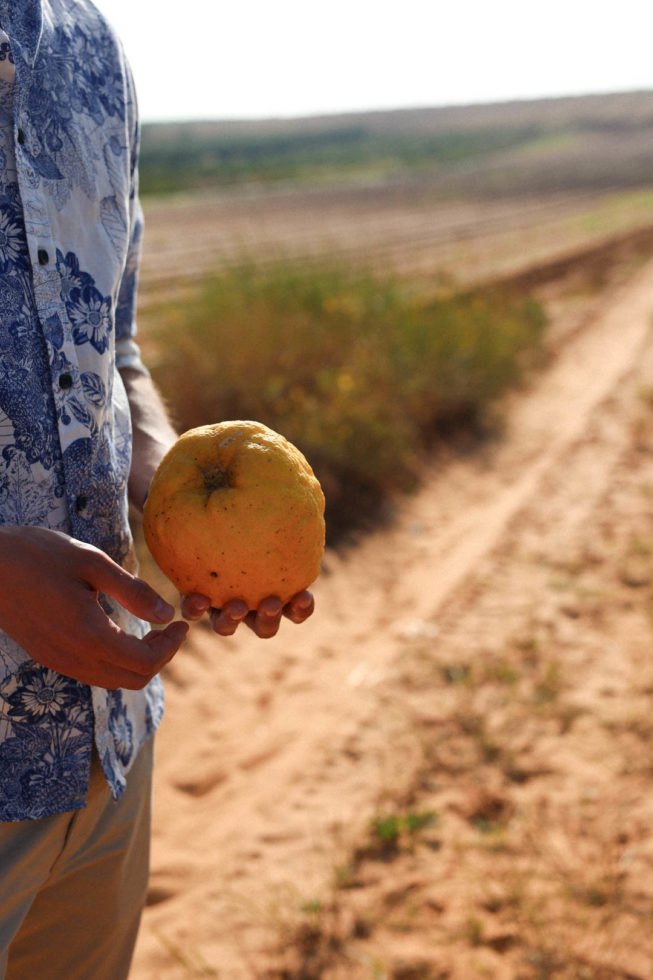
{"points": [[144, 657], [155, 650], [226, 621], [300, 607], [194, 605], [99, 673], [266, 619], [135, 595], [110, 678], [166, 642]]}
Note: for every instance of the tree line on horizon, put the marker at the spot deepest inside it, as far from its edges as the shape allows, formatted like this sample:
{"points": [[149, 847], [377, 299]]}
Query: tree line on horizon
{"points": [[543, 145]]}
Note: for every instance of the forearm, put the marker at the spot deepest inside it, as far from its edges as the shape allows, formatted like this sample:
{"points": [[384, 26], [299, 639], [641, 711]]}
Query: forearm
{"points": [[153, 433]]}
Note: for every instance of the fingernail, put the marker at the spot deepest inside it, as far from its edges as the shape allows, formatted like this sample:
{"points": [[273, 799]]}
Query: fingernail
{"points": [[163, 611]]}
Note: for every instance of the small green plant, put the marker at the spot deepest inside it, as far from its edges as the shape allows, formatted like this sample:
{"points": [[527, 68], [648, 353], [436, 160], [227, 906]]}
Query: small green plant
{"points": [[310, 941], [504, 672], [548, 689], [456, 673], [390, 834], [475, 931], [345, 876]]}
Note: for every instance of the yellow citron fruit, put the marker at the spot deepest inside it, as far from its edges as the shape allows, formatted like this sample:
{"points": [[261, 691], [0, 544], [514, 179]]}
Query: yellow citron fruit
{"points": [[234, 511]]}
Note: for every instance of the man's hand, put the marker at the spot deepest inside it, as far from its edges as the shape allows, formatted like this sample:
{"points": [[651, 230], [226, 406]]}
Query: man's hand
{"points": [[49, 585], [264, 621]]}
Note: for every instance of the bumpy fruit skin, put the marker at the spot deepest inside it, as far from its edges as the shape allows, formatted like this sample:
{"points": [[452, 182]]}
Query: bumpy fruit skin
{"points": [[234, 511]]}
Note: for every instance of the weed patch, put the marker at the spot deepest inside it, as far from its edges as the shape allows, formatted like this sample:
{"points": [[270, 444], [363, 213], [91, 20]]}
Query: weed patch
{"points": [[393, 833], [356, 370]]}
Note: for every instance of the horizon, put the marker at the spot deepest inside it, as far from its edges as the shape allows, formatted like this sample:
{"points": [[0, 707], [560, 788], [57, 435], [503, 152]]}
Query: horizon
{"points": [[381, 110]]}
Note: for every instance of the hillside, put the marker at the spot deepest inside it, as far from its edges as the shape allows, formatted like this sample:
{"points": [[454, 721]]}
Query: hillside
{"points": [[591, 141]]}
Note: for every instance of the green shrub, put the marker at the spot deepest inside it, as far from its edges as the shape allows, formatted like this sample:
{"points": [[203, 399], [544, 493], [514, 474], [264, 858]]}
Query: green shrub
{"points": [[354, 369]]}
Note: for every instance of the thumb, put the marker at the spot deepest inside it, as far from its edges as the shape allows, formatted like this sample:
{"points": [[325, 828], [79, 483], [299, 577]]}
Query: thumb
{"points": [[135, 595]]}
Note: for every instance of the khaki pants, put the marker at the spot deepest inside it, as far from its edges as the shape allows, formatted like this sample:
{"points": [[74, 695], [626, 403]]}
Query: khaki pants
{"points": [[72, 886]]}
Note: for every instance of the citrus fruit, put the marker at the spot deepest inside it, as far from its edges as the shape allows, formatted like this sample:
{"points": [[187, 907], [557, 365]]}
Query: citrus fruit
{"points": [[234, 511]]}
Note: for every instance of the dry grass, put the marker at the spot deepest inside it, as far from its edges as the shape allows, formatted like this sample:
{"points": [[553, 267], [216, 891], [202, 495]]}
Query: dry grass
{"points": [[358, 372]]}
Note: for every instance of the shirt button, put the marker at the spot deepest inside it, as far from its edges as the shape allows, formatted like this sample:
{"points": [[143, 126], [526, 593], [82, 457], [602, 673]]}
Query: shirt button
{"points": [[43, 256], [20, 136], [80, 503], [65, 381]]}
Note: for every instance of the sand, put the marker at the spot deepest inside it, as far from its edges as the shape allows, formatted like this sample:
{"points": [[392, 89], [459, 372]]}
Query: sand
{"points": [[486, 658]]}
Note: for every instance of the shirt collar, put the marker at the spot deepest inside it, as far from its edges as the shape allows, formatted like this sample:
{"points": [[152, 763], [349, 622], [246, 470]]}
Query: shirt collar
{"points": [[23, 22]]}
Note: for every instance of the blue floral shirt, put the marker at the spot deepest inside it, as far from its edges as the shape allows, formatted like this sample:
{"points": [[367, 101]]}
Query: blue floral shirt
{"points": [[70, 228]]}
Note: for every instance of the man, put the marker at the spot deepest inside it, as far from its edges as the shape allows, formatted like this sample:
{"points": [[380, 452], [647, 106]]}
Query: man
{"points": [[81, 432]]}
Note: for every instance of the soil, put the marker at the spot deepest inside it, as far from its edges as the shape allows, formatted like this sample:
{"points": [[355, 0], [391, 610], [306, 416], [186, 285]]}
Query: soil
{"points": [[400, 229], [447, 771]]}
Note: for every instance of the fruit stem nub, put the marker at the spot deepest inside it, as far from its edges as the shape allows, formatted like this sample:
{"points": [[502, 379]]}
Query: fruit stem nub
{"points": [[216, 478]]}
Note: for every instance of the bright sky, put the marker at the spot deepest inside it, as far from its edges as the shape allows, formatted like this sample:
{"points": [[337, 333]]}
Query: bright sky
{"points": [[212, 59]]}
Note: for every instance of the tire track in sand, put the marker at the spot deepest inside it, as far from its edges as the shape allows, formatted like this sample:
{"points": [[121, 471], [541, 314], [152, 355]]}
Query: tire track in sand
{"points": [[306, 706]]}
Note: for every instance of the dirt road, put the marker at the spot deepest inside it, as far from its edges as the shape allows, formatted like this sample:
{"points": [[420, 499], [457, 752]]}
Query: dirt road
{"points": [[274, 757]]}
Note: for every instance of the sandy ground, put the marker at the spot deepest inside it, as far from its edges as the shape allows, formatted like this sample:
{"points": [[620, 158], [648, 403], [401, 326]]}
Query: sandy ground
{"points": [[485, 661]]}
